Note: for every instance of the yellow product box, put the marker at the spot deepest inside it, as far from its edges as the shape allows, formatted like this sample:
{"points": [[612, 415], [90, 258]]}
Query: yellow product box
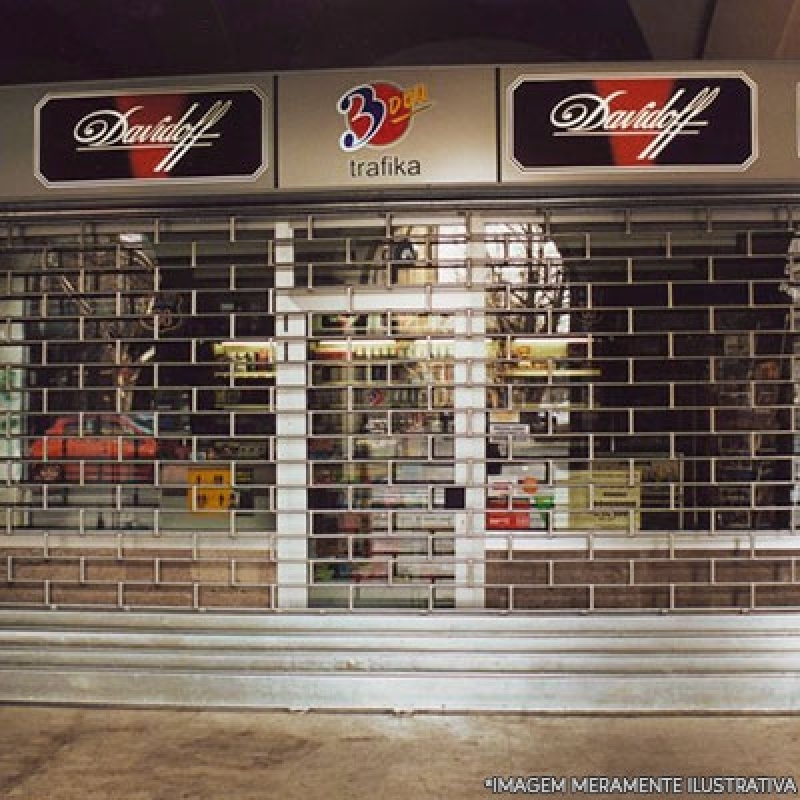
{"points": [[210, 489], [604, 499]]}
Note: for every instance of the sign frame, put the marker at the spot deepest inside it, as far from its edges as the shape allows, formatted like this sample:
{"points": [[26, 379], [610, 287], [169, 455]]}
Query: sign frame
{"points": [[134, 91], [653, 170]]}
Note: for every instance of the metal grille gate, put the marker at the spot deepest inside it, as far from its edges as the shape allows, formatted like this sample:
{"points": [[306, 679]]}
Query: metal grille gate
{"points": [[510, 409]]}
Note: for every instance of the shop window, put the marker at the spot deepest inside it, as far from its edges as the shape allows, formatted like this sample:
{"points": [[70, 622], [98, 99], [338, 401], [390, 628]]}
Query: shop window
{"points": [[417, 391], [135, 348]]}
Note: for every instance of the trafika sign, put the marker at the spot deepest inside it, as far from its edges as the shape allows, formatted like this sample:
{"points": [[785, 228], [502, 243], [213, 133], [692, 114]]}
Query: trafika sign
{"points": [[378, 115], [622, 122], [140, 136]]}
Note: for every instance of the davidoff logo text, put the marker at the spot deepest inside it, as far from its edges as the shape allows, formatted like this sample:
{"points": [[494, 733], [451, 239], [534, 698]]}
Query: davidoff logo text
{"points": [[587, 114], [109, 129]]}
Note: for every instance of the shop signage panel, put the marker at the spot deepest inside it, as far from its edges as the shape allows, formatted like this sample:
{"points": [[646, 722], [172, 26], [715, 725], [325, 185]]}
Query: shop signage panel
{"points": [[207, 135], [620, 122], [387, 128]]}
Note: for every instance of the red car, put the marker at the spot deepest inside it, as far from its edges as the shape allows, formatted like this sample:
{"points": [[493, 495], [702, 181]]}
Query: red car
{"points": [[96, 448]]}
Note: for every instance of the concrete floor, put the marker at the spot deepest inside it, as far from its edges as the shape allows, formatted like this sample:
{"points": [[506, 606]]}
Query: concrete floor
{"points": [[65, 753]]}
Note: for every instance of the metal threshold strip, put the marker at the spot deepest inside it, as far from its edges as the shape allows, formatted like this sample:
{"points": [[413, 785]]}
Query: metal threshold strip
{"points": [[410, 663]]}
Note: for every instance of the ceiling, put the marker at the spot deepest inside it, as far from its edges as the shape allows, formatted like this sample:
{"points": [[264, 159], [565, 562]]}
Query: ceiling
{"points": [[48, 41]]}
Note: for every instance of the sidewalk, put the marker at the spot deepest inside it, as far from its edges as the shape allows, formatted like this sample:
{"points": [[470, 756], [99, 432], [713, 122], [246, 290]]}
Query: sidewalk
{"points": [[65, 753]]}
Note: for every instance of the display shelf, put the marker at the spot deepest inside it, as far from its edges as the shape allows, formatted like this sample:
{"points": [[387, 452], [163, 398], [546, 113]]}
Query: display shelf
{"points": [[371, 350], [381, 324], [400, 545], [748, 391], [384, 406], [245, 375], [551, 370], [428, 569], [242, 376], [537, 383]]}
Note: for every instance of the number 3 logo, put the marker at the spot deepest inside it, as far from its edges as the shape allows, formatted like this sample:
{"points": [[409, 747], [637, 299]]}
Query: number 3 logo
{"points": [[365, 113]]}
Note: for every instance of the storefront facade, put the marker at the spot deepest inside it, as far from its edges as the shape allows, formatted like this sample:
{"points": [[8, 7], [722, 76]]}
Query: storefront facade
{"points": [[478, 357]]}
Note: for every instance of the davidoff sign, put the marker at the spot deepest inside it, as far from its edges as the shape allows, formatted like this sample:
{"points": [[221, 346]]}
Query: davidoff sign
{"points": [[139, 136], [621, 122]]}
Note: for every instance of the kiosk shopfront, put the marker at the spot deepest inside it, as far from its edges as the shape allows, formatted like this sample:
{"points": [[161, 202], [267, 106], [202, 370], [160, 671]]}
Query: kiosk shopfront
{"points": [[315, 381]]}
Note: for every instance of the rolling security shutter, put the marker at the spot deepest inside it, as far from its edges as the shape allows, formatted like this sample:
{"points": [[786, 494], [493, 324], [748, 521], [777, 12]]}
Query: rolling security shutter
{"points": [[515, 410]]}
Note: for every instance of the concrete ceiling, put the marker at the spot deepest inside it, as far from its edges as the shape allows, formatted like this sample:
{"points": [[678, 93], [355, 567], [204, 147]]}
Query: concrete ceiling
{"points": [[720, 29], [48, 41]]}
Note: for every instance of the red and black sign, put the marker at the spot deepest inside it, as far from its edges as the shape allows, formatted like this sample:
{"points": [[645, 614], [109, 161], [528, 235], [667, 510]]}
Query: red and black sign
{"points": [[205, 135], [697, 122]]}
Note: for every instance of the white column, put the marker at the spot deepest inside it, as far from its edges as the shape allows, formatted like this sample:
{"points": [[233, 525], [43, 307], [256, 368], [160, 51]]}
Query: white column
{"points": [[290, 432], [470, 470], [11, 406], [470, 430]]}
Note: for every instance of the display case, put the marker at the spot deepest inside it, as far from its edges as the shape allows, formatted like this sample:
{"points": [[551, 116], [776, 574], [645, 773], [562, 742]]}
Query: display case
{"points": [[537, 383], [749, 467], [381, 456]]}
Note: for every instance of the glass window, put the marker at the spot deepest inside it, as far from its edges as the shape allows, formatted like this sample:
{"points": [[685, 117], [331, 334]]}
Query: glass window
{"points": [[163, 345]]}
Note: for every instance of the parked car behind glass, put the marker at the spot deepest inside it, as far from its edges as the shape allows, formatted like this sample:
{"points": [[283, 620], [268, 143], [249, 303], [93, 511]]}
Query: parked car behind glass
{"points": [[96, 448]]}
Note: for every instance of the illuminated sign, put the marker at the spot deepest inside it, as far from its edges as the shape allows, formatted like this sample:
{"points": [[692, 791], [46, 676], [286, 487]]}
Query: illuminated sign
{"points": [[204, 135], [623, 122]]}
